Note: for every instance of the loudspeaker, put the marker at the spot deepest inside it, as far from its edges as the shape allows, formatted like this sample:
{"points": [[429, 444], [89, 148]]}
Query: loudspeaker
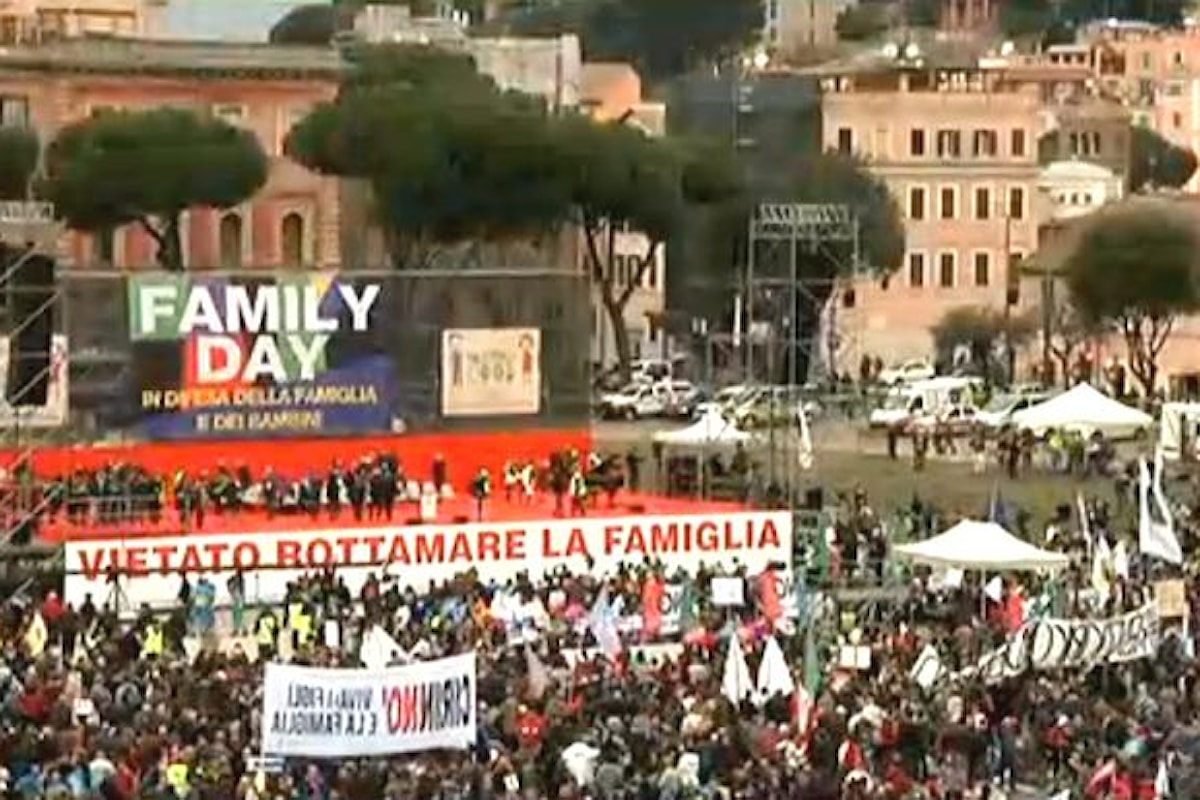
{"points": [[30, 298], [814, 499]]}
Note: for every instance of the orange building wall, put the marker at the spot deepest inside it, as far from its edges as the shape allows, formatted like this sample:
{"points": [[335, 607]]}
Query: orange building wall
{"points": [[269, 107]]}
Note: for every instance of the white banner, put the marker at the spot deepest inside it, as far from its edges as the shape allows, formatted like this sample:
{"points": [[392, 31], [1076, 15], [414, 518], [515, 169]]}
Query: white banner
{"points": [[53, 413], [421, 555], [491, 371], [1073, 644], [336, 713]]}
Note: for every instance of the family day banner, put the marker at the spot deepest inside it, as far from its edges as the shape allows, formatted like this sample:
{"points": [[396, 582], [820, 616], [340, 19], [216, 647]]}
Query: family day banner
{"points": [[345, 713], [420, 555], [1073, 644], [297, 354], [491, 371]]}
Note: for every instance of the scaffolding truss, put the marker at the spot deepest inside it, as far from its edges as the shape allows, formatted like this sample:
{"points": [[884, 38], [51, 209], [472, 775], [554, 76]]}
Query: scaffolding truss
{"points": [[28, 230]]}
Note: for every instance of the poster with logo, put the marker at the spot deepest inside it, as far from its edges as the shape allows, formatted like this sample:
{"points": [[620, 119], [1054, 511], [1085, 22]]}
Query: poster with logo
{"points": [[248, 357], [21, 414], [491, 371], [345, 713]]}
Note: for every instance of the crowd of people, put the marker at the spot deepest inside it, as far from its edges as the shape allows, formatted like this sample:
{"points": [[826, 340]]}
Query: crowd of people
{"points": [[97, 703]]}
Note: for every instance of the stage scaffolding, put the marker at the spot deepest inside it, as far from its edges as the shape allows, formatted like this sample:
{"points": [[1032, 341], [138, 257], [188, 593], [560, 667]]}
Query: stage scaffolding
{"points": [[28, 231], [787, 242]]}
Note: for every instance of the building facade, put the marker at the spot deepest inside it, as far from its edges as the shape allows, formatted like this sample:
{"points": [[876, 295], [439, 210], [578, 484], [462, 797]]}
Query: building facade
{"points": [[292, 221], [28, 21], [791, 27], [969, 16], [958, 150]]}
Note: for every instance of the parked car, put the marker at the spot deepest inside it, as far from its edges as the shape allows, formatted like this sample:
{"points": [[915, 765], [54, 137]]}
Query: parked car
{"points": [[773, 405], [635, 401], [957, 420], [999, 412], [685, 398], [907, 372], [726, 399]]}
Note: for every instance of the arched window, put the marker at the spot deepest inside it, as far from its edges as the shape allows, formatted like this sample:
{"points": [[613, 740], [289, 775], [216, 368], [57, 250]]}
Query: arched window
{"points": [[229, 235], [291, 234]]}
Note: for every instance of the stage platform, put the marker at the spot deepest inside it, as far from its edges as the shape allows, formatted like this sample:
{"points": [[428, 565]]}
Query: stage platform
{"points": [[455, 510]]}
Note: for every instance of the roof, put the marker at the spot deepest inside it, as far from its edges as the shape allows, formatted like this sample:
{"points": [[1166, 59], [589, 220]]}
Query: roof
{"points": [[164, 57], [1076, 170]]}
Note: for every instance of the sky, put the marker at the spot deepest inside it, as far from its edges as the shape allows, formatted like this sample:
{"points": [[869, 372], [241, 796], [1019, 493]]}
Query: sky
{"points": [[243, 20]]}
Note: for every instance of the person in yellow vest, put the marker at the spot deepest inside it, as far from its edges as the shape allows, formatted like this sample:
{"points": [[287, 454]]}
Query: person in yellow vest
{"points": [[305, 627], [266, 634], [295, 609], [579, 493], [179, 777], [154, 640]]}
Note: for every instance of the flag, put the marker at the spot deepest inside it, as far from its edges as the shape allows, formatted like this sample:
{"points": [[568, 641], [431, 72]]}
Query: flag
{"points": [[774, 677], [689, 613], [927, 668], [804, 449], [768, 593], [36, 636], [812, 665], [994, 589], [379, 650], [1000, 511], [1102, 563], [538, 675], [736, 684], [1156, 527], [1120, 560], [652, 615], [1085, 523], [1162, 781], [602, 622]]}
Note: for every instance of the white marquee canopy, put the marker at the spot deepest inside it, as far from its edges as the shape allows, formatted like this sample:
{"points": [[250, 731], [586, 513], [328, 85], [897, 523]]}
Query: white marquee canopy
{"points": [[1086, 409], [711, 430], [981, 546]]}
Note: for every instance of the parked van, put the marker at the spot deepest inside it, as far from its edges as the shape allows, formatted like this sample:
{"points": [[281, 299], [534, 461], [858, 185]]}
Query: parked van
{"points": [[1179, 432], [923, 399]]}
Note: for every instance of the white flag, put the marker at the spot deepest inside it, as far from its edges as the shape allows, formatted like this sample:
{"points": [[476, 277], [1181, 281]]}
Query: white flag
{"points": [[1162, 781], [804, 452], [994, 589], [1156, 536], [379, 650], [736, 684], [927, 668], [1102, 567], [538, 675], [774, 677]]}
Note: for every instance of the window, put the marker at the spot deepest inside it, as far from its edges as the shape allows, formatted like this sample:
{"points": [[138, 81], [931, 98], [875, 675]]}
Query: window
{"points": [[14, 111], [104, 246], [229, 240], [291, 234], [1017, 142], [916, 202], [983, 268], [845, 141], [985, 144], [949, 144], [983, 203], [947, 267], [1016, 203], [916, 270], [948, 203], [1177, 119], [232, 113], [916, 142]]}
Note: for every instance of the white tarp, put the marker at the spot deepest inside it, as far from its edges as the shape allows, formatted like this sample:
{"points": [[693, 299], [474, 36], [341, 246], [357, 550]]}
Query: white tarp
{"points": [[1085, 409], [711, 430], [1073, 644], [984, 546], [344, 713]]}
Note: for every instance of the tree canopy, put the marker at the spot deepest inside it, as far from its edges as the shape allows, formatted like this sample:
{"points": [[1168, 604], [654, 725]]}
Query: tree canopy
{"points": [[864, 20], [1135, 268], [147, 168], [19, 150], [313, 24], [1041, 17], [661, 38], [981, 331], [1155, 162]]}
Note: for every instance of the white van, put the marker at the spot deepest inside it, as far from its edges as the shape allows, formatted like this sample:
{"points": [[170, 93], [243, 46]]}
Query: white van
{"points": [[1179, 431], [923, 399]]}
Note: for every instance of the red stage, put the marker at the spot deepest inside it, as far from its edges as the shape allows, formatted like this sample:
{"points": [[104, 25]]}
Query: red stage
{"points": [[465, 453], [459, 509]]}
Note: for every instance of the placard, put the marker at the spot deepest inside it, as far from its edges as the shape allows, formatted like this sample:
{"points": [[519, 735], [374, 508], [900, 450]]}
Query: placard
{"points": [[491, 371], [342, 713], [1171, 598], [728, 592]]}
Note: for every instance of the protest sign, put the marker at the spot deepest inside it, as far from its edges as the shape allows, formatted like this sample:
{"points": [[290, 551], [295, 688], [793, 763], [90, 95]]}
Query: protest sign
{"points": [[337, 713], [1073, 644], [1171, 599]]}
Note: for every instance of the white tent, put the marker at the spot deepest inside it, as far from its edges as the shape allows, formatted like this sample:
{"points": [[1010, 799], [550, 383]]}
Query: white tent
{"points": [[983, 546], [711, 430], [1085, 409]]}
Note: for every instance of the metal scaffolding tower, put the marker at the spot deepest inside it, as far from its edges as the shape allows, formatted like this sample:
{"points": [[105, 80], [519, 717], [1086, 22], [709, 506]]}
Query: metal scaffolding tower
{"points": [[28, 231], [782, 302]]}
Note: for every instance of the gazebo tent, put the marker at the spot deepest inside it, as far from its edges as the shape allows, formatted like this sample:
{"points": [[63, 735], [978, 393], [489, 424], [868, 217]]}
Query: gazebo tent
{"points": [[1086, 409], [713, 430], [981, 546]]}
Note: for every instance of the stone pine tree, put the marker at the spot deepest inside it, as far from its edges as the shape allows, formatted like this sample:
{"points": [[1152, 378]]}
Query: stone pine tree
{"points": [[147, 168], [1135, 270], [19, 150]]}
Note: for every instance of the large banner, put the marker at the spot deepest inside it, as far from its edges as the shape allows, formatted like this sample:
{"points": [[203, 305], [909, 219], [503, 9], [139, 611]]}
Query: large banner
{"points": [[345, 713], [1073, 644], [489, 371], [421, 555], [286, 355], [53, 413]]}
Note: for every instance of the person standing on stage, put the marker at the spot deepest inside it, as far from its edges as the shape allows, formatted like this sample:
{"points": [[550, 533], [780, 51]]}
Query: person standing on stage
{"points": [[481, 490], [512, 479], [579, 492], [528, 481]]}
